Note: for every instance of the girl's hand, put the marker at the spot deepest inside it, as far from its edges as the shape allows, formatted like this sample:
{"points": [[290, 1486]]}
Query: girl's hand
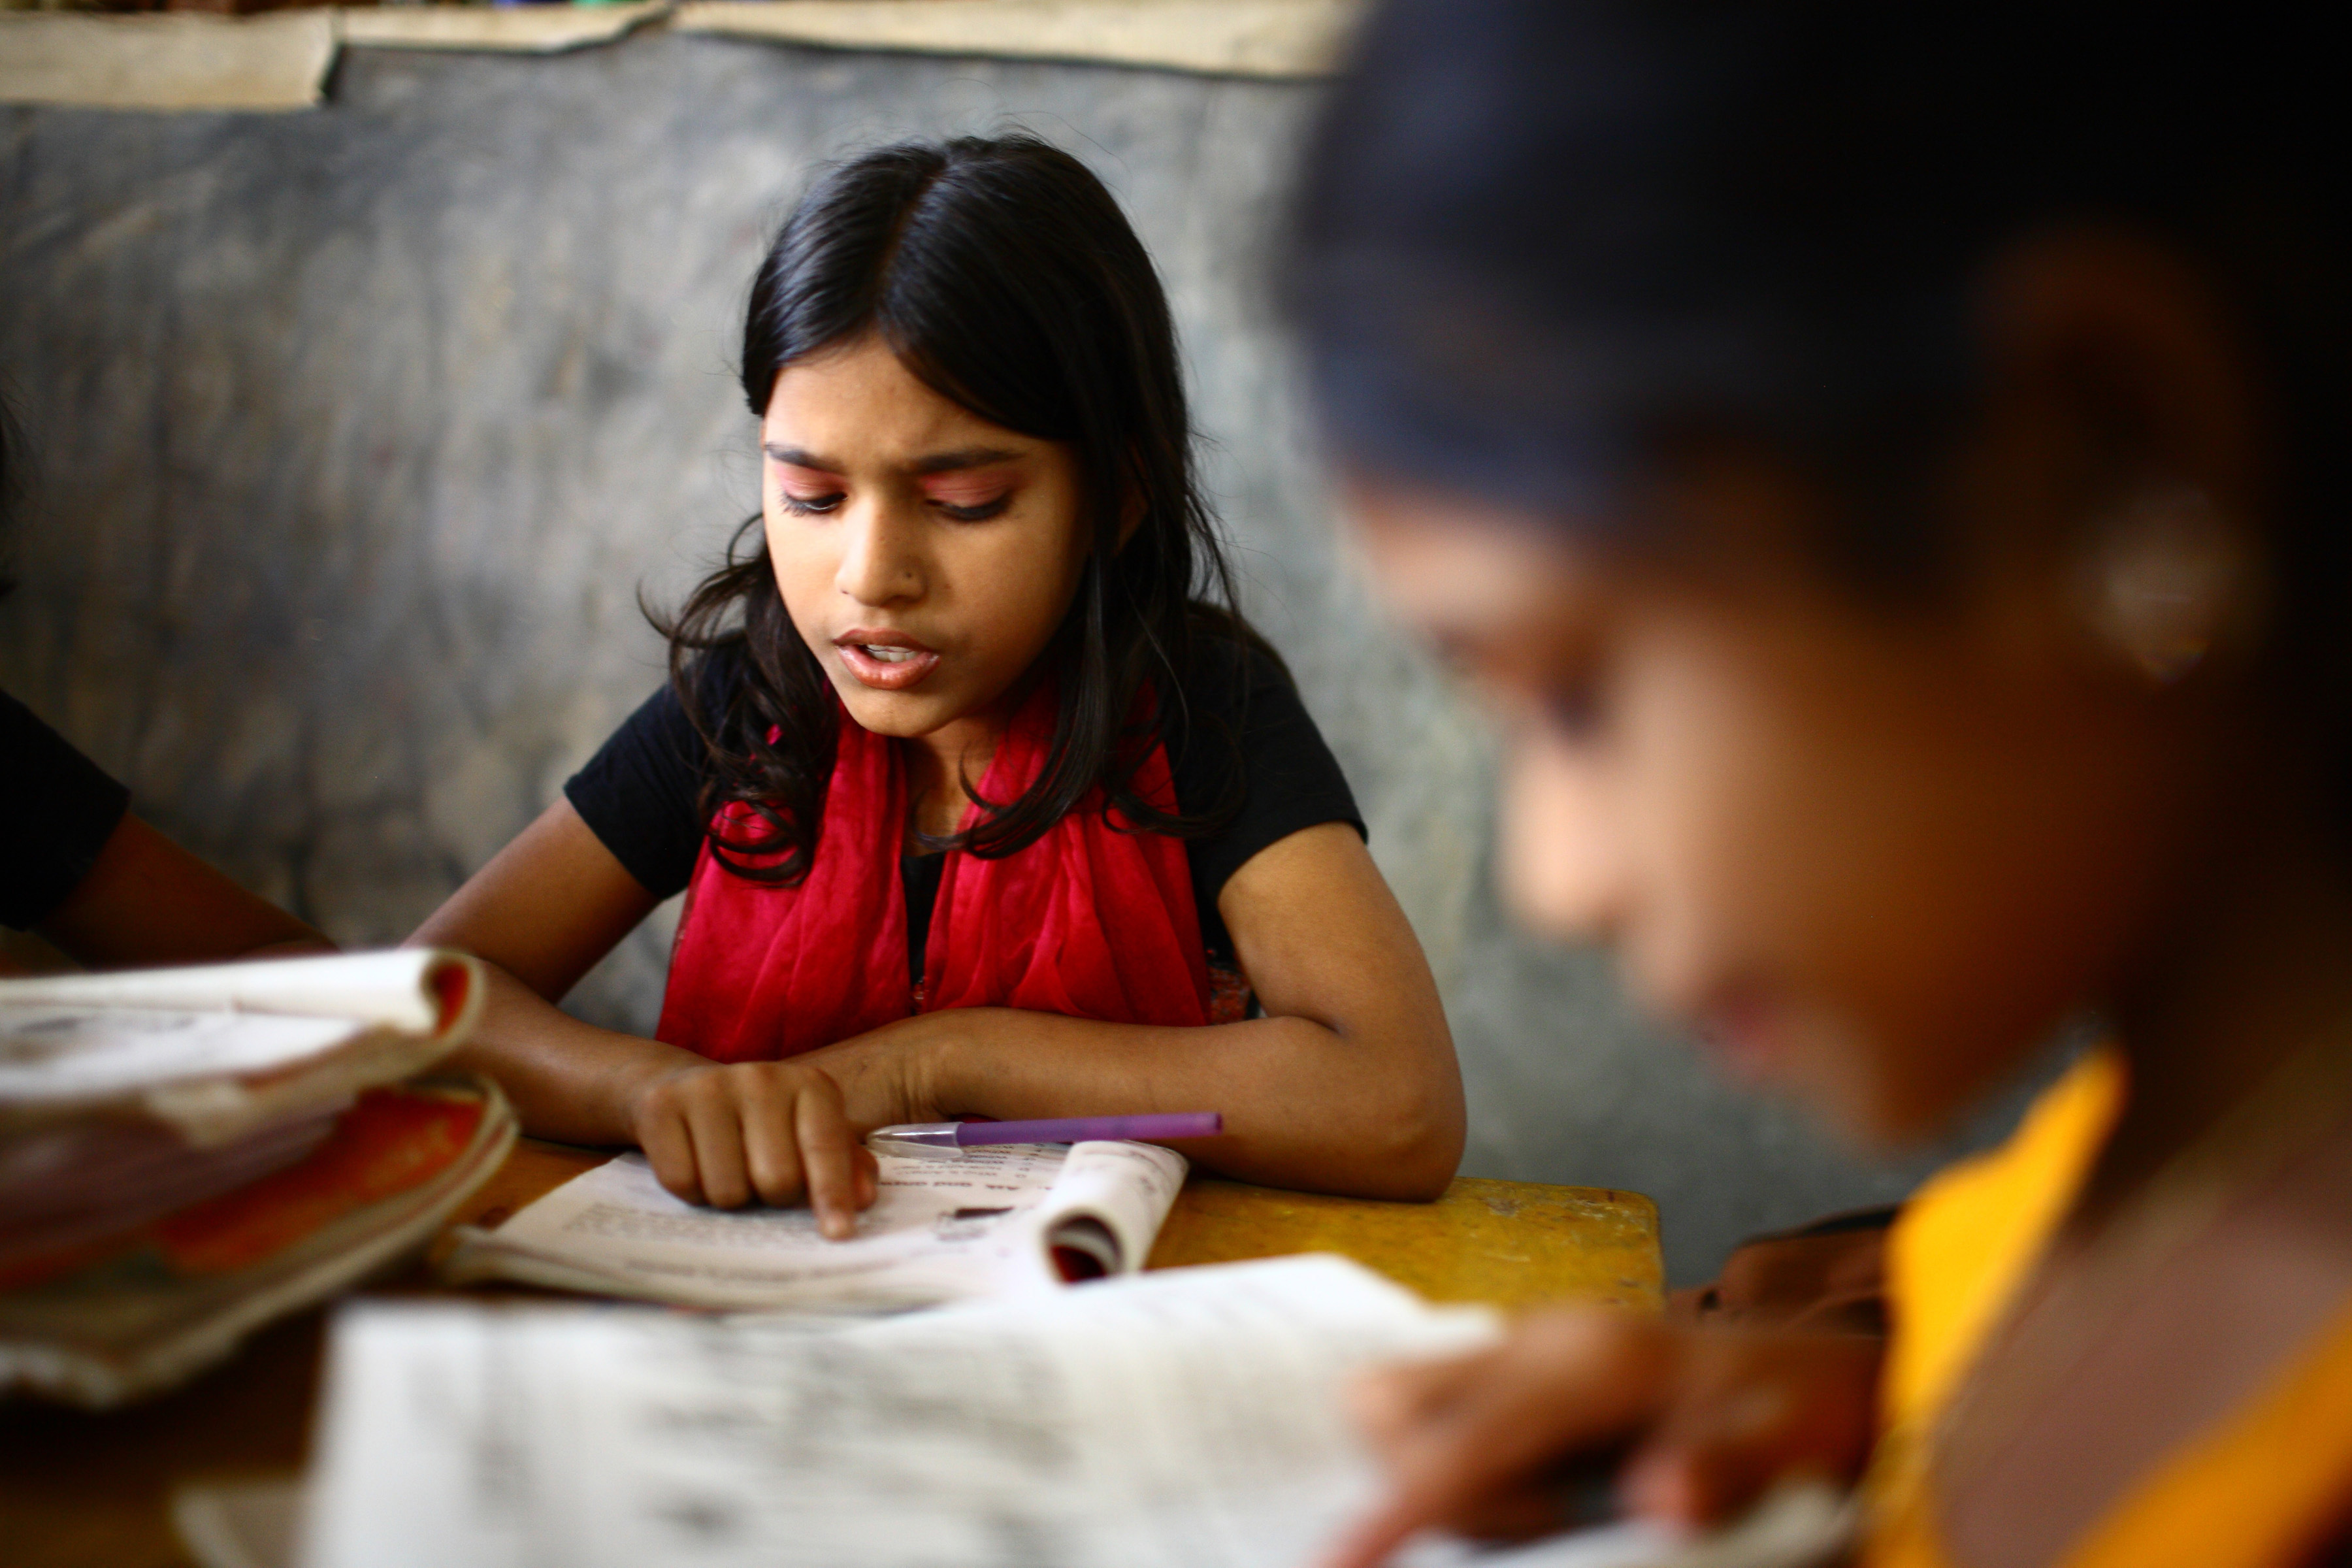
{"points": [[890, 1075], [1696, 1424], [722, 1135]]}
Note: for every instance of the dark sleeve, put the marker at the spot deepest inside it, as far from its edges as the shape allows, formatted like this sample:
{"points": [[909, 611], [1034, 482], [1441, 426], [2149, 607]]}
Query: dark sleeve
{"points": [[639, 792], [1246, 743], [57, 809]]}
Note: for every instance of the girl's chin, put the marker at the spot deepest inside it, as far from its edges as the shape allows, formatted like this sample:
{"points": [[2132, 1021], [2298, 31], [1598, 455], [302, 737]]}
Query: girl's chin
{"points": [[901, 715]]}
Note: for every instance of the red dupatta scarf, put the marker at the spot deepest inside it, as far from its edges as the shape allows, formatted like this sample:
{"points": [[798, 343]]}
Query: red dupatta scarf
{"points": [[1094, 920]]}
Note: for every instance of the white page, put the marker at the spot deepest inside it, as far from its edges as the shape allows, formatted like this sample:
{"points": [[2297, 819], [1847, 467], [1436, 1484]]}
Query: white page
{"points": [[519, 29], [49, 1052], [393, 990], [1184, 1420], [219, 1050], [1128, 1187], [940, 1230], [169, 61], [1227, 38]]}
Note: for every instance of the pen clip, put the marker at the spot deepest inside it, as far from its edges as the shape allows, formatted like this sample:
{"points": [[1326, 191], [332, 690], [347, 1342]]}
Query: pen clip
{"points": [[920, 1140]]}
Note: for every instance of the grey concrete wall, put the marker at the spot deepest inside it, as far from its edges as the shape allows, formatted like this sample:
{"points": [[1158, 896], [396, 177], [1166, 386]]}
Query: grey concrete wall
{"points": [[360, 430]]}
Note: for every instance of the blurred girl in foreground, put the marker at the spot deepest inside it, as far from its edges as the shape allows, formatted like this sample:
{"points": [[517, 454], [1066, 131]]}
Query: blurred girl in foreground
{"points": [[1890, 462]]}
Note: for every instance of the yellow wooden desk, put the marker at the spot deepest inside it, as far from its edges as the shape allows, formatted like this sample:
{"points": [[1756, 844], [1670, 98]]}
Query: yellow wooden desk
{"points": [[1509, 1244], [82, 1490]]}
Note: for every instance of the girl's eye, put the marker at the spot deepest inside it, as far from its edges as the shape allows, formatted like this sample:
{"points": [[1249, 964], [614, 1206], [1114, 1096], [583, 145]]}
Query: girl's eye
{"points": [[978, 512], [1573, 710], [810, 506]]}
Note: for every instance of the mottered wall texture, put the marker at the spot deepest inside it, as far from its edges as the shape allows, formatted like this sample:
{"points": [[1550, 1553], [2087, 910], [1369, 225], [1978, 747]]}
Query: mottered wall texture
{"points": [[360, 431]]}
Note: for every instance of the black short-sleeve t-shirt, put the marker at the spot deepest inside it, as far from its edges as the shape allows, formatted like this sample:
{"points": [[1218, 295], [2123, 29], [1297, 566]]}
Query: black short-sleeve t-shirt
{"points": [[57, 809], [1240, 736]]}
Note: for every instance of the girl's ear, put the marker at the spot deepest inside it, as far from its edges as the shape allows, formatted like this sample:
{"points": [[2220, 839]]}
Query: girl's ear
{"points": [[2122, 444], [2144, 364]]}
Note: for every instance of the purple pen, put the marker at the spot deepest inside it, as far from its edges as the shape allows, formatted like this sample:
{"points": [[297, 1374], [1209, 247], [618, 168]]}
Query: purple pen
{"points": [[946, 1140]]}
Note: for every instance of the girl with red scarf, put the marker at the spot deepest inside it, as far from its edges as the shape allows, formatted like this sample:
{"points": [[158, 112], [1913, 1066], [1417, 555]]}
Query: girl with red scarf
{"points": [[982, 802]]}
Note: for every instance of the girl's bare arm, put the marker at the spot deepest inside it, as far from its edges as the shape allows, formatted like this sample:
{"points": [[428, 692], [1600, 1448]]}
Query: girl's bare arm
{"points": [[544, 910], [541, 913], [1348, 1085], [146, 901]]}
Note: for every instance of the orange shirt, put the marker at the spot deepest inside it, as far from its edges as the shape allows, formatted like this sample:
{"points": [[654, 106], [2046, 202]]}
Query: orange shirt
{"points": [[2261, 1490]]}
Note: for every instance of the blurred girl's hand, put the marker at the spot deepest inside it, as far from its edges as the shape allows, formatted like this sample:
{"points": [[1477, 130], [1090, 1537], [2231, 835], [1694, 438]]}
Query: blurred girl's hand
{"points": [[1487, 1445], [723, 1134]]}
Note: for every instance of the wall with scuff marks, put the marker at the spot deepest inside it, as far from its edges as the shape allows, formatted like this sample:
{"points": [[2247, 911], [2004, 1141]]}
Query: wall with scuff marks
{"points": [[362, 431]]}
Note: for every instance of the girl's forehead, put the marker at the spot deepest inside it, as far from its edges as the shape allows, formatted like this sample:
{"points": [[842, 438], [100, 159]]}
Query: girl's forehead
{"points": [[861, 406], [1467, 573]]}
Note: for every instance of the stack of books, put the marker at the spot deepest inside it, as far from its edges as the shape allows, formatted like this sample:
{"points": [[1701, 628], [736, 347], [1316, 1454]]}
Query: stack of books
{"points": [[188, 1154]]}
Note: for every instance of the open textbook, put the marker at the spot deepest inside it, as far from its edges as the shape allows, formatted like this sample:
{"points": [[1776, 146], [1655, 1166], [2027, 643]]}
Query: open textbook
{"points": [[1001, 1221], [1188, 1418]]}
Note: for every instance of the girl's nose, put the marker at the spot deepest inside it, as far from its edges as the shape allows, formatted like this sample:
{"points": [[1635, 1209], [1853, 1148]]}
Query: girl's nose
{"points": [[1561, 865], [881, 556]]}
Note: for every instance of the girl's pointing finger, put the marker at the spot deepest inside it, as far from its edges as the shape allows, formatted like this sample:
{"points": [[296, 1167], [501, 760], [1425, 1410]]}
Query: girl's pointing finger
{"points": [[829, 1156]]}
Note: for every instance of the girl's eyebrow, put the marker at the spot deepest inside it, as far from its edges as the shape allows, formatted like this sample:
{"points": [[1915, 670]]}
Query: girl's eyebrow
{"points": [[798, 458], [967, 458], [937, 463]]}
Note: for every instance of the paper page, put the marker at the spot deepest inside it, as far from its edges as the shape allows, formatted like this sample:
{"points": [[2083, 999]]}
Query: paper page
{"points": [[1188, 1418], [529, 30], [1127, 1186], [61, 1053], [169, 61], [217, 1051], [940, 1230], [419, 991], [1280, 38]]}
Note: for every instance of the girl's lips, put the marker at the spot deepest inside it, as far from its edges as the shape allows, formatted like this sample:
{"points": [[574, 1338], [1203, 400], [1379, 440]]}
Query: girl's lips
{"points": [[1743, 1031], [887, 661]]}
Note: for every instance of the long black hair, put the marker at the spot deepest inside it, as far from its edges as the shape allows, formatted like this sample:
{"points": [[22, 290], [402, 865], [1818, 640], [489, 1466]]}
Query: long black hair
{"points": [[1005, 278]]}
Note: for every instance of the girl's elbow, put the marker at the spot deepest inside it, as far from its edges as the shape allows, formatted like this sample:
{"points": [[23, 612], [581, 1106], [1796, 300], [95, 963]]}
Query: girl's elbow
{"points": [[1424, 1173], [1400, 1120], [1423, 1149]]}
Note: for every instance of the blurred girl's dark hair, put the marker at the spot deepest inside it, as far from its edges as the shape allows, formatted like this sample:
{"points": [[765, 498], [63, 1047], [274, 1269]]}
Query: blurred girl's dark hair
{"points": [[1005, 278], [1540, 239]]}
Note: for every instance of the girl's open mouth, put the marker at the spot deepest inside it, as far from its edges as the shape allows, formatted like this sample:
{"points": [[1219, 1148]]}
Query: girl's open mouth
{"points": [[888, 661], [1745, 1031]]}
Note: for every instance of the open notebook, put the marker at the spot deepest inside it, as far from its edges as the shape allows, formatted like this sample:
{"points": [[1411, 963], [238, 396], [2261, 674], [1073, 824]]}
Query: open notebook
{"points": [[1001, 1221], [1187, 1418]]}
